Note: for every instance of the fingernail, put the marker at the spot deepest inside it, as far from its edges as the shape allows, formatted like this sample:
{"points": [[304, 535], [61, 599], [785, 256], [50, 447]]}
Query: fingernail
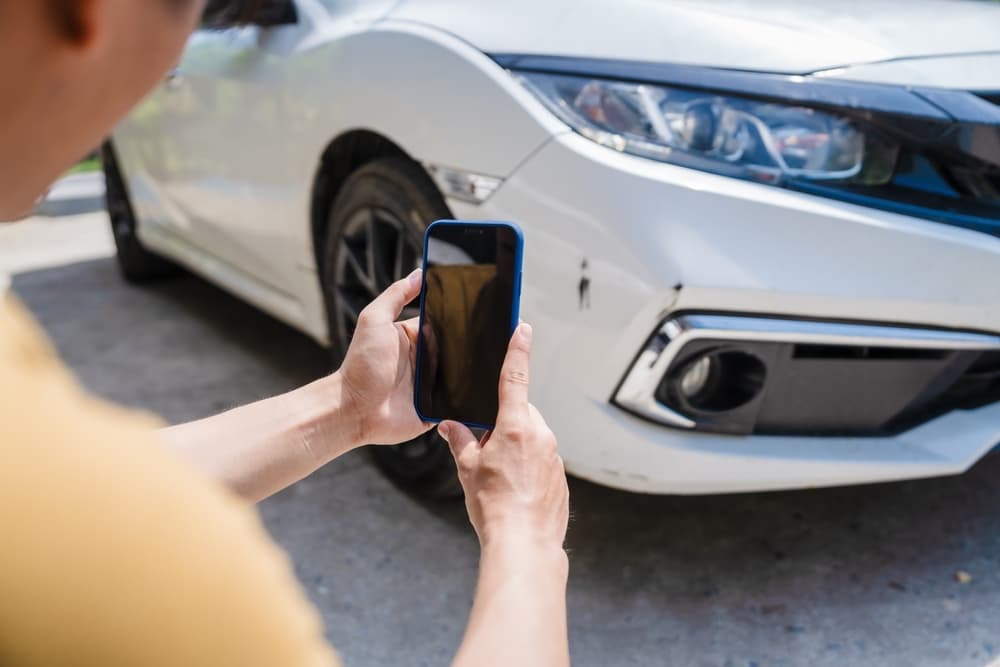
{"points": [[414, 277], [525, 330], [443, 429]]}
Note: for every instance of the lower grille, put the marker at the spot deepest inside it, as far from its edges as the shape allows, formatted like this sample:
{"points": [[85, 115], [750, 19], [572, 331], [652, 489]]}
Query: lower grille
{"points": [[978, 386]]}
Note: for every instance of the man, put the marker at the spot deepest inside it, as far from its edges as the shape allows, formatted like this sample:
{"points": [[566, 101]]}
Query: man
{"points": [[121, 543]]}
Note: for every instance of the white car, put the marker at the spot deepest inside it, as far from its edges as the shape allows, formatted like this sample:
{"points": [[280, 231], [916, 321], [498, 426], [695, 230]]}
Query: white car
{"points": [[761, 238]]}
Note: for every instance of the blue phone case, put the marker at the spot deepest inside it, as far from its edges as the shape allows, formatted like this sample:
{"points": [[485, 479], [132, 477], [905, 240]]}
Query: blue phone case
{"points": [[514, 311]]}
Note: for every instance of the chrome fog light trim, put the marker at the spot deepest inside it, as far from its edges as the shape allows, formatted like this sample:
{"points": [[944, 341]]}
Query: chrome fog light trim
{"points": [[637, 390]]}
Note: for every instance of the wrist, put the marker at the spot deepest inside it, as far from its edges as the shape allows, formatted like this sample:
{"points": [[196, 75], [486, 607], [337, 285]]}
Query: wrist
{"points": [[330, 424], [519, 550]]}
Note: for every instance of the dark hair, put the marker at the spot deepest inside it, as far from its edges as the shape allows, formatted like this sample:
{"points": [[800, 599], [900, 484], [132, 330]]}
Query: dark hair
{"points": [[228, 13]]}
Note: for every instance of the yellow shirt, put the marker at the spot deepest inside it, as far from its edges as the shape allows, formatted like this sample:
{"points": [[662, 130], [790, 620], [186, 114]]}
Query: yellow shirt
{"points": [[113, 551]]}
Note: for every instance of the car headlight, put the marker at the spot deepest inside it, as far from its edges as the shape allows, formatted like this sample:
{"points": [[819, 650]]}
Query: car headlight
{"points": [[730, 135], [926, 152]]}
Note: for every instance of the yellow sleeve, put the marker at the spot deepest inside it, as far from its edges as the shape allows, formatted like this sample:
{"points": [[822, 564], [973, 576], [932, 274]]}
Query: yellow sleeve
{"points": [[113, 552]]}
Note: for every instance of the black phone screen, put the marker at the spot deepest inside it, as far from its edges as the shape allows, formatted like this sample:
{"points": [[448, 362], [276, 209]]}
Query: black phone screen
{"points": [[469, 311]]}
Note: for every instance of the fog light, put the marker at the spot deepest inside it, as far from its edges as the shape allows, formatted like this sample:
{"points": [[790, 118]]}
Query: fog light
{"points": [[696, 376], [717, 380]]}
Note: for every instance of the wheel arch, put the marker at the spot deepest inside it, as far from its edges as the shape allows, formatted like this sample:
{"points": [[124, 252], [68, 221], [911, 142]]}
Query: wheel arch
{"points": [[342, 156]]}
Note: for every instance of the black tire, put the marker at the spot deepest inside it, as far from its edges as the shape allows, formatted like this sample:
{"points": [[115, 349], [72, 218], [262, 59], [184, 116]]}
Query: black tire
{"points": [[137, 264], [385, 205]]}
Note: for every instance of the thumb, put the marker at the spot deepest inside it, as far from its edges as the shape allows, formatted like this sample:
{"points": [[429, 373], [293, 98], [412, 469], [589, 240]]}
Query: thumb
{"points": [[389, 304], [461, 440]]}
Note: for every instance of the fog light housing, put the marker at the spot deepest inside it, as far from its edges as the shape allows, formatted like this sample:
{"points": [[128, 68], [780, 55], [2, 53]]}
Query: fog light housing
{"points": [[717, 380], [745, 375]]}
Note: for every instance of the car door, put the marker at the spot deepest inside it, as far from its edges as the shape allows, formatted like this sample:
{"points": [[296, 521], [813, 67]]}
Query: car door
{"points": [[229, 118], [150, 147]]}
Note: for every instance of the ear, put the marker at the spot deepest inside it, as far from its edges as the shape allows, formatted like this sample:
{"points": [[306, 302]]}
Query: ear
{"points": [[81, 23]]}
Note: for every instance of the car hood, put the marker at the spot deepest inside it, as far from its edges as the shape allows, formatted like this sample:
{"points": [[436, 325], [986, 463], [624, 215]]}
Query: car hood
{"points": [[788, 36], [973, 71]]}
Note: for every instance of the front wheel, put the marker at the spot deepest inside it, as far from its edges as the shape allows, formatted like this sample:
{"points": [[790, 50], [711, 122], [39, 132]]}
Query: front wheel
{"points": [[374, 237]]}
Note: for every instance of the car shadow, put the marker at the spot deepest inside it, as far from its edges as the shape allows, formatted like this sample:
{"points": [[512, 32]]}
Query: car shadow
{"points": [[865, 574]]}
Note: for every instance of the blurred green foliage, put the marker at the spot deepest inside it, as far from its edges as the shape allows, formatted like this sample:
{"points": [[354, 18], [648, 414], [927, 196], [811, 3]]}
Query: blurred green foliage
{"points": [[88, 164]]}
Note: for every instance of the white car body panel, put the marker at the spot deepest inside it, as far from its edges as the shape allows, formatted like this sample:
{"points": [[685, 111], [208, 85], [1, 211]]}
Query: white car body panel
{"points": [[221, 163], [230, 206], [775, 36], [798, 255], [975, 71]]}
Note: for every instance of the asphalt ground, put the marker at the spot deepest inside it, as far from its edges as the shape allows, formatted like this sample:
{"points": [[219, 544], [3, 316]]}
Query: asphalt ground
{"points": [[852, 576]]}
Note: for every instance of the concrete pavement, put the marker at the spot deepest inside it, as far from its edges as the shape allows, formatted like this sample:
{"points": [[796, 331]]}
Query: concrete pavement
{"points": [[853, 576]]}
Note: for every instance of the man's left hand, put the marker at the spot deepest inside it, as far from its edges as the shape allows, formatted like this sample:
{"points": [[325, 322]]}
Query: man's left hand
{"points": [[378, 369]]}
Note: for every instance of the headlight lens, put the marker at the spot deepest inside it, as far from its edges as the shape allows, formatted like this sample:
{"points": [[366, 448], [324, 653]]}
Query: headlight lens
{"points": [[763, 141]]}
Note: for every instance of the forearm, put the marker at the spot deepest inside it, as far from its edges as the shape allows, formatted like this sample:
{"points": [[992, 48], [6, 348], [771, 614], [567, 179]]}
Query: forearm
{"points": [[261, 448], [519, 614]]}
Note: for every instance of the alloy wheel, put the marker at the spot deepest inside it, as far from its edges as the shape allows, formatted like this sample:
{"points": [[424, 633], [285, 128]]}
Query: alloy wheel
{"points": [[376, 248]]}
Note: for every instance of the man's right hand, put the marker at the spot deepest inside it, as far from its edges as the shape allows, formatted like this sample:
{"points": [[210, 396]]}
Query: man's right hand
{"points": [[518, 501], [514, 481]]}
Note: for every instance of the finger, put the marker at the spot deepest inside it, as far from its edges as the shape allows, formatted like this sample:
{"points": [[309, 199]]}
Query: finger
{"points": [[411, 328], [389, 304], [513, 387], [461, 440]]}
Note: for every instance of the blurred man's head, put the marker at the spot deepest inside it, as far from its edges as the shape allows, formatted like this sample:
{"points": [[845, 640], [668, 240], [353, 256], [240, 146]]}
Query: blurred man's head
{"points": [[71, 69]]}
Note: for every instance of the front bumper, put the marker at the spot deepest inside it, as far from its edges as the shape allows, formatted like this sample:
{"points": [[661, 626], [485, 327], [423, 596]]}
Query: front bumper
{"points": [[626, 452], [650, 240]]}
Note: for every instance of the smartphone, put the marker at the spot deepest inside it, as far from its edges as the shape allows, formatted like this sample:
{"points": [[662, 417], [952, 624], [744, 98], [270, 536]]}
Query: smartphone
{"points": [[469, 307]]}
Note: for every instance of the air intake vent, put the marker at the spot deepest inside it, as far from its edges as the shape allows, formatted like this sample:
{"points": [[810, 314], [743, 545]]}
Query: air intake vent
{"points": [[863, 352], [979, 385]]}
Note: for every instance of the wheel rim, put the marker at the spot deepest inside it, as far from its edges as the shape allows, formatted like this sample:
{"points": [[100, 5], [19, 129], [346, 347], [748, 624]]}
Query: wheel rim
{"points": [[375, 249]]}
